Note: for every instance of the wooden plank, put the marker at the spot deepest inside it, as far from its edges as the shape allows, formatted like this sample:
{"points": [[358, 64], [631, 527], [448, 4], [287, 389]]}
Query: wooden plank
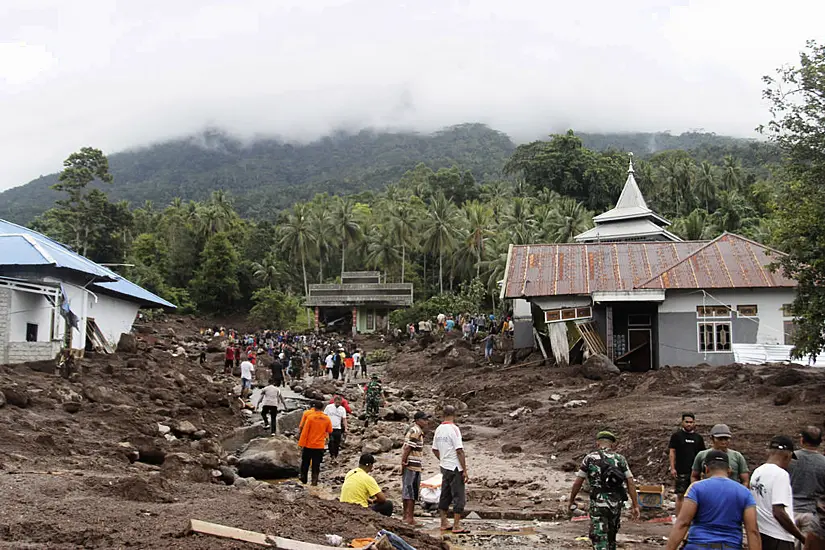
{"points": [[289, 544], [222, 531], [541, 344]]}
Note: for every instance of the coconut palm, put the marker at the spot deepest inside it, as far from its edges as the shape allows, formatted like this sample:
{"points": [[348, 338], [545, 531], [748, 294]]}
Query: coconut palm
{"points": [[731, 173], [569, 218], [693, 226], [403, 225], [478, 220], [268, 270], [517, 221], [347, 227], [320, 222], [705, 184], [297, 236], [440, 231], [381, 251]]}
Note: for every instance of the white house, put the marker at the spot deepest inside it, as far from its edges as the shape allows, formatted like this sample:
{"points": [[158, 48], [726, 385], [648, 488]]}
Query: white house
{"points": [[642, 296], [41, 281]]}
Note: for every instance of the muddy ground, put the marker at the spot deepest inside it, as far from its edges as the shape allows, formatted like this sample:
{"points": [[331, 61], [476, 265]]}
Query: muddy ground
{"points": [[83, 462]]}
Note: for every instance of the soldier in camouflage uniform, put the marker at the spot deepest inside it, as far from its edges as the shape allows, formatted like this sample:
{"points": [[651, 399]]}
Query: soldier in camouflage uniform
{"points": [[375, 395], [607, 473]]}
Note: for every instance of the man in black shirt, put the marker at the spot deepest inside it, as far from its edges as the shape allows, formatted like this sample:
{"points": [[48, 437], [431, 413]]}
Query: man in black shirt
{"points": [[685, 444]]}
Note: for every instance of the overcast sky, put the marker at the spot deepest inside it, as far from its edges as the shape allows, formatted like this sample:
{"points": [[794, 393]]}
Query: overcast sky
{"points": [[117, 74]]}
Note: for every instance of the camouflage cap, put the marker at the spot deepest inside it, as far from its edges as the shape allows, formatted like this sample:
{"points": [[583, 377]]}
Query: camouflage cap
{"points": [[604, 434]]}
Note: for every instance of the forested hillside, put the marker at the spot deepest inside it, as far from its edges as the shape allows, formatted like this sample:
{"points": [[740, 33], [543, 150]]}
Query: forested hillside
{"points": [[268, 175]]}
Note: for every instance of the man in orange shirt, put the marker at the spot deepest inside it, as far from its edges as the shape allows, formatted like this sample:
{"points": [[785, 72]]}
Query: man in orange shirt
{"points": [[316, 428]]}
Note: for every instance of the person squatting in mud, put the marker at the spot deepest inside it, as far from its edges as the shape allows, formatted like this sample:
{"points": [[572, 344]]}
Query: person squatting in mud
{"points": [[611, 482]]}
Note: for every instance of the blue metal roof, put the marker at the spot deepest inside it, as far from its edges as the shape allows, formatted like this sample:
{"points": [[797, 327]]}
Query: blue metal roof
{"points": [[20, 246]]}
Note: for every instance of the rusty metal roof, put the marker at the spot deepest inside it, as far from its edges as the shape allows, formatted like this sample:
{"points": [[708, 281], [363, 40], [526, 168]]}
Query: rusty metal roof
{"points": [[729, 261]]}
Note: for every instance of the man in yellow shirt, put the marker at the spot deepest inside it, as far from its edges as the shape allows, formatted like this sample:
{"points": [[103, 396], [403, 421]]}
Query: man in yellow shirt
{"points": [[360, 488]]}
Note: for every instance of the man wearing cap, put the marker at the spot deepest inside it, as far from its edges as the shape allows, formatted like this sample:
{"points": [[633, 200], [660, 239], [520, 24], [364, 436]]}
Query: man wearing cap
{"points": [[715, 509], [411, 464], [360, 488], [684, 445], [720, 440], [771, 489], [374, 398], [807, 478], [607, 473]]}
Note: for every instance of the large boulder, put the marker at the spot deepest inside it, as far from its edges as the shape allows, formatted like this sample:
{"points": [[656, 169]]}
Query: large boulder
{"points": [[275, 457], [17, 396], [127, 343], [288, 422], [599, 367], [184, 429], [241, 436], [216, 345], [102, 394]]}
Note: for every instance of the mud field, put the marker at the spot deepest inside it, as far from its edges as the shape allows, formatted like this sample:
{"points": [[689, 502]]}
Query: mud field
{"points": [[133, 445]]}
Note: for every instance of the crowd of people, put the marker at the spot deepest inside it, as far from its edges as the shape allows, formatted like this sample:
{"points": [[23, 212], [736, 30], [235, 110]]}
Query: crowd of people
{"points": [[720, 502]]}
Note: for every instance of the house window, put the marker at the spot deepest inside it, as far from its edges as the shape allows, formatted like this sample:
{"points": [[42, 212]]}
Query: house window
{"points": [[713, 312], [790, 332], [638, 320], [31, 332], [370, 319], [747, 311], [787, 310], [715, 336], [568, 314]]}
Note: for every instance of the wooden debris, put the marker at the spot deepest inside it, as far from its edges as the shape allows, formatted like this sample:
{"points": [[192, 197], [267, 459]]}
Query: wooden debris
{"points": [[253, 537]]}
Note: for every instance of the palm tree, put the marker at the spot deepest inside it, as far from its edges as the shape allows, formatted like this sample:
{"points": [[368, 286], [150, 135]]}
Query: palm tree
{"points": [[518, 221], [731, 173], [733, 211], [693, 226], [403, 227], [297, 236], [705, 184], [268, 270], [569, 218], [478, 223], [381, 251], [349, 230], [440, 232], [320, 220], [495, 263]]}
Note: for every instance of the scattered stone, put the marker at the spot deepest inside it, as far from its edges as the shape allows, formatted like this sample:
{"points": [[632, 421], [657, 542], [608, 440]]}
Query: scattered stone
{"points": [[385, 443], [104, 395], [200, 434], [171, 332], [227, 475], [127, 343], [472, 515], [232, 460], [496, 422], [288, 423], [275, 457], [575, 403], [555, 397], [216, 345], [569, 466], [184, 428], [16, 396], [519, 412], [241, 482], [242, 436], [170, 437], [72, 407], [163, 429], [2, 400], [151, 455], [783, 398], [599, 367], [511, 448], [371, 447]]}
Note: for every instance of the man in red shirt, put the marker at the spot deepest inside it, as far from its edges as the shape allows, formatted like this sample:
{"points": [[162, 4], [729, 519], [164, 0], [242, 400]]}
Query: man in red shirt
{"points": [[316, 428], [229, 360]]}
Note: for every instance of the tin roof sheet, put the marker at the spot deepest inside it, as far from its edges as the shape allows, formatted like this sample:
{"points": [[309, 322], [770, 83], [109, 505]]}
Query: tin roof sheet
{"points": [[729, 261]]}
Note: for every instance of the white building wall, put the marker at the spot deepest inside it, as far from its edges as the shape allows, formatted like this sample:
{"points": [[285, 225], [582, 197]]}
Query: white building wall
{"points": [[113, 315], [28, 307], [769, 302]]}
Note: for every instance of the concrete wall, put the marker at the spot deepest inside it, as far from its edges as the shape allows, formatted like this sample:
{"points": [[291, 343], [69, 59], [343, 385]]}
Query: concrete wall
{"points": [[28, 307], [21, 352], [113, 315], [5, 307], [678, 323]]}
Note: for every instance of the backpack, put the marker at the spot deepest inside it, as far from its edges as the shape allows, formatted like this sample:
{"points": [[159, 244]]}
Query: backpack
{"points": [[611, 477]]}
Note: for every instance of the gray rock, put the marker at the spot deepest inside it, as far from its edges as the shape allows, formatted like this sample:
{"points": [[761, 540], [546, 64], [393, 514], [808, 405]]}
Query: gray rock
{"points": [[385, 443], [288, 423], [275, 457], [17, 396], [371, 447], [127, 343], [241, 482], [72, 407], [227, 475], [599, 367], [200, 434], [102, 394], [511, 448], [232, 460], [242, 436], [184, 428], [2, 400], [163, 429]]}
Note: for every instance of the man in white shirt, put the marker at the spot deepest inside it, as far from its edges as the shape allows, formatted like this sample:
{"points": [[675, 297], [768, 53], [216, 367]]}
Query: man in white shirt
{"points": [[448, 448], [356, 361], [247, 372], [338, 415], [270, 400], [330, 362], [771, 489]]}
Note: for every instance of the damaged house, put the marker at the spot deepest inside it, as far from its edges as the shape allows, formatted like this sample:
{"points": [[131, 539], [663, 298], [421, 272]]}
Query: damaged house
{"points": [[632, 290], [52, 298]]}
